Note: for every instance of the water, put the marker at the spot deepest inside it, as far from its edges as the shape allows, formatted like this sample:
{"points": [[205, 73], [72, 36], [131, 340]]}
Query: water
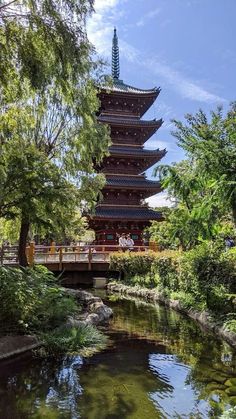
{"points": [[158, 364]]}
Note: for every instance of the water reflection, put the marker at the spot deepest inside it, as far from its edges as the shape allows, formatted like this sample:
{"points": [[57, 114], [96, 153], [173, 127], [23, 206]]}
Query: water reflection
{"points": [[158, 365]]}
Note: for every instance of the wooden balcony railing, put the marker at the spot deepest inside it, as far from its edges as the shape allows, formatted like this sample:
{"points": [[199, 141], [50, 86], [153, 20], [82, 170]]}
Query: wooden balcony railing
{"points": [[46, 255]]}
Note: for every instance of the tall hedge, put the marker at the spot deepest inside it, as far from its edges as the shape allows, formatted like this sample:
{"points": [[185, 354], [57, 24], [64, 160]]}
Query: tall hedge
{"points": [[205, 275]]}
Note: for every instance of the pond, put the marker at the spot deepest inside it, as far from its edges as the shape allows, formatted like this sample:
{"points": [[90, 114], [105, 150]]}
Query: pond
{"points": [[158, 364]]}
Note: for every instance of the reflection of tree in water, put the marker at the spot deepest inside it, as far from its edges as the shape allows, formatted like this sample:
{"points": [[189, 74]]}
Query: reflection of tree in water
{"points": [[214, 375], [31, 387], [117, 383], [209, 374]]}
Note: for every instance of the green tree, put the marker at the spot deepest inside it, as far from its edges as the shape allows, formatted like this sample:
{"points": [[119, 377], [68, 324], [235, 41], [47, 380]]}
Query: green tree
{"points": [[203, 185], [211, 149], [48, 153], [49, 135], [43, 41]]}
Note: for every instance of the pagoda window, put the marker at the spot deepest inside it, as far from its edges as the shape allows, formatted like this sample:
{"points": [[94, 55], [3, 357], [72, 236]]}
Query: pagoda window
{"points": [[134, 236]]}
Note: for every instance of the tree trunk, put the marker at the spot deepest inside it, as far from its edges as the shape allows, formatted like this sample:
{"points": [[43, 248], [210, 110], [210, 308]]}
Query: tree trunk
{"points": [[24, 230]]}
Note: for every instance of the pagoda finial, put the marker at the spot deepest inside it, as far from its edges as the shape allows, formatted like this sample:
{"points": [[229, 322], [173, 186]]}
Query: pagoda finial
{"points": [[115, 66]]}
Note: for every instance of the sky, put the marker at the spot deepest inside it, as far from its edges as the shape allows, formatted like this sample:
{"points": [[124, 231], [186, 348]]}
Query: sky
{"points": [[187, 47]]}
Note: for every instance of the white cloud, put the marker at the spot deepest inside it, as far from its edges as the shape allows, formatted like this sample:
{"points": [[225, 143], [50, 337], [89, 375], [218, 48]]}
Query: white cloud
{"points": [[186, 87], [150, 15], [100, 30], [102, 6], [159, 200], [154, 143], [100, 25]]}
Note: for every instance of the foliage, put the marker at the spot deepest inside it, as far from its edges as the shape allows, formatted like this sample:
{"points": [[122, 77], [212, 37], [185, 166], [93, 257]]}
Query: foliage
{"points": [[203, 277], [32, 301], [49, 135], [9, 230], [68, 340], [204, 184], [47, 161], [229, 414], [162, 233], [131, 263], [41, 41], [187, 300]]}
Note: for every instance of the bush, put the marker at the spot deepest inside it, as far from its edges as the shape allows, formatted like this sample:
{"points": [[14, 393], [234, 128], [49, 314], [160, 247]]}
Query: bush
{"points": [[165, 268], [203, 277], [131, 264], [69, 340], [32, 300], [188, 300]]}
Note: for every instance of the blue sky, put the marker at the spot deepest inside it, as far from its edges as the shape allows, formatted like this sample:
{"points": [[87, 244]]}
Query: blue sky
{"points": [[187, 47]]}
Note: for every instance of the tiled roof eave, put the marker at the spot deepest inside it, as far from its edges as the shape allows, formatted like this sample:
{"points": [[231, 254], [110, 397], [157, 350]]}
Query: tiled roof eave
{"points": [[130, 122], [124, 89], [137, 153], [141, 213], [132, 187], [132, 181]]}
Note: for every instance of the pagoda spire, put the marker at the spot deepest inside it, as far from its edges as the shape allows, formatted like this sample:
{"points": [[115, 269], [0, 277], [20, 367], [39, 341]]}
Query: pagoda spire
{"points": [[115, 57]]}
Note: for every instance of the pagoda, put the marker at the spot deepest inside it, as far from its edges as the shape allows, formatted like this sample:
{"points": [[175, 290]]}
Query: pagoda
{"points": [[123, 208]]}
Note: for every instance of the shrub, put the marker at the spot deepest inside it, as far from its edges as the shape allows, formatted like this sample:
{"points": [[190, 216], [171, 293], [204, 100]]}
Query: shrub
{"points": [[188, 300], [165, 268], [131, 264], [32, 300], [203, 277], [69, 340]]}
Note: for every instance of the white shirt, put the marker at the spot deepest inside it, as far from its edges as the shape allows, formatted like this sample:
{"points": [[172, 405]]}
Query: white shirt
{"points": [[122, 242], [129, 242]]}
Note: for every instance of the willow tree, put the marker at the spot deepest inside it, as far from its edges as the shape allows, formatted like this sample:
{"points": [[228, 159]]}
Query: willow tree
{"points": [[42, 41], [48, 160], [49, 135]]}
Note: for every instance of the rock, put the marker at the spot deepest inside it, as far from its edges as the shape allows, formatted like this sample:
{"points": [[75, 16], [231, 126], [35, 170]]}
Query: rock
{"points": [[96, 312], [92, 319], [14, 345]]}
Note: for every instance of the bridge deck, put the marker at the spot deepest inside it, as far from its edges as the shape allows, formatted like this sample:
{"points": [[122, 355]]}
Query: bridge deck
{"points": [[65, 258]]}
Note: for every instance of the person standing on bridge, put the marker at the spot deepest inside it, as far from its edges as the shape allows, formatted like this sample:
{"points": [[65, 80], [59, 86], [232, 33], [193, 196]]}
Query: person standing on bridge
{"points": [[123, 242], [129, 243]]}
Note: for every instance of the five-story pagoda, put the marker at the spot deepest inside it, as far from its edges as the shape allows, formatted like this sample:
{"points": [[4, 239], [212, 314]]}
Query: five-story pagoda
{"points": [[123, 208]]}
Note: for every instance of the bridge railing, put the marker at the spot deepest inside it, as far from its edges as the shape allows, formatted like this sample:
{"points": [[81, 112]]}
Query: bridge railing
{"points": [[46, 255]]}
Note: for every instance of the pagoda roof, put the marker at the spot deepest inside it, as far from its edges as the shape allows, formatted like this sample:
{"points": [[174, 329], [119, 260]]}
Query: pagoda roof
{"points": [[139, 213], [129, 121], [121, 87], [139, 182], [134, 151]]}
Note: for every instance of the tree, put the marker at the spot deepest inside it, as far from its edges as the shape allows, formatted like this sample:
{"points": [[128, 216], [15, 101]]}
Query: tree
{"points": [[211, 148], [49, 135], [48, 153], [203, 185], [43, 41]]}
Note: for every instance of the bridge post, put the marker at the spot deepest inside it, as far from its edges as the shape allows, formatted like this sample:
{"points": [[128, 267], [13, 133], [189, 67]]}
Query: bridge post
{"points": [[53, 248], [2, 254], [90, 259], [60, 258], [31, 253]]}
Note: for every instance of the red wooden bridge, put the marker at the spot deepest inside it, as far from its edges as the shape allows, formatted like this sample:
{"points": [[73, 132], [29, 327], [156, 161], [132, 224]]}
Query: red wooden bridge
{"points": [[65, 258]]}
